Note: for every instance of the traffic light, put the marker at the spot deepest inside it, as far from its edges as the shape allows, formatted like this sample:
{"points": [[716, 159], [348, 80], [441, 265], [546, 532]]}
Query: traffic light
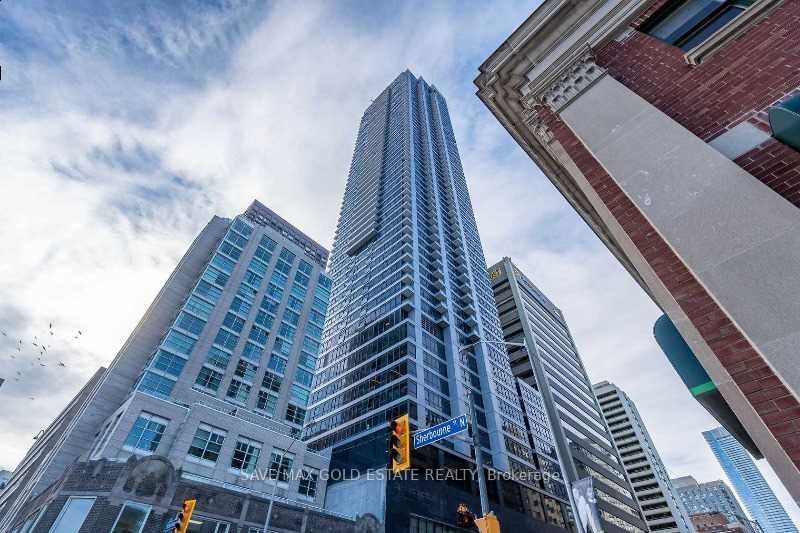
{"points": [[488, 524], [182, 525], [464, 517], [399, 444]]}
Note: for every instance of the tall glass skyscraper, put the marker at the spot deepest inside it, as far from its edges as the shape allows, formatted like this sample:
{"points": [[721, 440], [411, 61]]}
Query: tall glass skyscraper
{"points": [[748, 482], [412, 317], [550, 363]]}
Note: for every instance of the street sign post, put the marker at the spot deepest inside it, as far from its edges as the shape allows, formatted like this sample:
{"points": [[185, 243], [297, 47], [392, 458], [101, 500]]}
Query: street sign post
{"points": [[448, 428]]}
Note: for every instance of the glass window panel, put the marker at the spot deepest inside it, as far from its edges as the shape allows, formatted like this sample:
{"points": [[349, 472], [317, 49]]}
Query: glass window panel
{"points": [[72, 515]]}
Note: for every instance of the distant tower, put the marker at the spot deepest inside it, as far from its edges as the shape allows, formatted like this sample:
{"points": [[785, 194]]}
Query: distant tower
{"points": [[550, 364], [750, 485], [660, 504], [710, 497]]}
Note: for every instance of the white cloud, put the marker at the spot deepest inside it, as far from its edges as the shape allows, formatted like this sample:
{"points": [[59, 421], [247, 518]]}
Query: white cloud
{"points": [[123, 138]]}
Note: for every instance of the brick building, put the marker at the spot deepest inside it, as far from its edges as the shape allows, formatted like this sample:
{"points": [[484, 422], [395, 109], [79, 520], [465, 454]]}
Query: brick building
{"points": [[719, 523], [143, 494], [672, 128]]}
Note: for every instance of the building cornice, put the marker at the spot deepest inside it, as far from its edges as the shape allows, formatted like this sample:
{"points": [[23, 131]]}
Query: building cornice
{"points": [[548, 61]]}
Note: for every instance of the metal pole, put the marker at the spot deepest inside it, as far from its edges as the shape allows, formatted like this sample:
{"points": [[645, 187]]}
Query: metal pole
{"points": [[475, 442], [274, 489], [478, 457]]}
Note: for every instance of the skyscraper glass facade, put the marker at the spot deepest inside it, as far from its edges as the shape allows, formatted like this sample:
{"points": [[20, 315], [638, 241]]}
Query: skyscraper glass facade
{"points": [[412, 318], [550, 364], [748, 482], [709, 497]]}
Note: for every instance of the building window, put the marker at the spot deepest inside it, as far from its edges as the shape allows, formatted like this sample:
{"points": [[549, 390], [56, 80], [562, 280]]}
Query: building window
{"points": [[169, 363], [308, 482], [277, 363], [208, 525], [280, 465], [156, 385], [689, 23], [207, 443], [267, 402], [245, 455], [208, 379], [295, 415], [271, 381], [146, 432], [131, 518], [238, 391], [218, 358], [72, 515], [246, 370], [303, 377]]}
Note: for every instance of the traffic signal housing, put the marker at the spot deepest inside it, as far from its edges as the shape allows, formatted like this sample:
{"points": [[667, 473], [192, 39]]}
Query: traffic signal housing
{"points": [[464, 517], [184, 515], [400, 444], [488, 523]]}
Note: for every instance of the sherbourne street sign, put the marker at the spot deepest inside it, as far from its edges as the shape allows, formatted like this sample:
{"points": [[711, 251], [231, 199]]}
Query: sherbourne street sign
{"points": [[448, 428]]}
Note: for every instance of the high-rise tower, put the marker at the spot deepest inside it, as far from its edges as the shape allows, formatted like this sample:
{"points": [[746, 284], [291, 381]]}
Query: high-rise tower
{"points": [[709, 497], [550, 363], [748, 482], [412, 319], [661, 506]]}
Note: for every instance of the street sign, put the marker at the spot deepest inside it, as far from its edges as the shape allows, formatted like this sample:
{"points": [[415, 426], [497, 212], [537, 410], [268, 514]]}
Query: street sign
{"points": [[170, 526], [451, 427]]}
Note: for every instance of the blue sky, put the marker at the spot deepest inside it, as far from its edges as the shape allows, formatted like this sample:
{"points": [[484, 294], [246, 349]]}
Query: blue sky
{"points": [[127, 125]]}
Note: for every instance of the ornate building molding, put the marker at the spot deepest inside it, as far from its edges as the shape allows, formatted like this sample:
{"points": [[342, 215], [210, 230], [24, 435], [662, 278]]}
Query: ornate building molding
{"points": [[573, 81]]}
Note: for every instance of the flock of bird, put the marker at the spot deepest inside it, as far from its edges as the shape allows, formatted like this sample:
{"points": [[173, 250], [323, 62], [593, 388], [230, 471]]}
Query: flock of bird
{"points": [[40, 346]]}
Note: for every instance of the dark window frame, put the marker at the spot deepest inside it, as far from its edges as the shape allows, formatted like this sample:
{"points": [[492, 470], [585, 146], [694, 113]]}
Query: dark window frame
{"points": [[685, 35]]}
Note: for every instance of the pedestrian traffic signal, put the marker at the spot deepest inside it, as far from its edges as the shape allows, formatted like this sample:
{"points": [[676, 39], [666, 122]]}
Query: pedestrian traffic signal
{"points": [[464, 517], [399, 444], [488, 524], [182, 525]]}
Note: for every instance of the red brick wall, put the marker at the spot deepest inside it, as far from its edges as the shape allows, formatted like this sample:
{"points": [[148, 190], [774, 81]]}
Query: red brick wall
{"points": [[769, 397], [736, 84]]}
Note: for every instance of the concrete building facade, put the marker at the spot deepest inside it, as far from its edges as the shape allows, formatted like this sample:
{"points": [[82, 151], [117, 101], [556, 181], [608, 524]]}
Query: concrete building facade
{"points": [[215, 377], [550, 364], [648, 117], [749, 483], [660, 504]]}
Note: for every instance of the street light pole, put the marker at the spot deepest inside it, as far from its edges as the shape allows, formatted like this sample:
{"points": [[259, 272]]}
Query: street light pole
{"points": [[274, 490], [481, 481], [475, 441], [478, 459]]}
